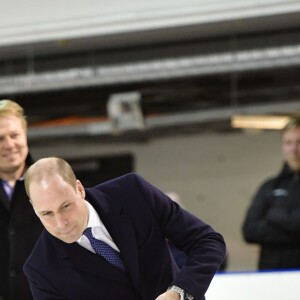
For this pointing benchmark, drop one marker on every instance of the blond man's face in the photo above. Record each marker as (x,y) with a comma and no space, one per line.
(13,144)
(291,148)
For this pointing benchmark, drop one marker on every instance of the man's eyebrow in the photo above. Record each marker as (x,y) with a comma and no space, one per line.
(43,211)
(47,210)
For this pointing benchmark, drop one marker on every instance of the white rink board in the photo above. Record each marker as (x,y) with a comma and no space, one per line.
(255,286)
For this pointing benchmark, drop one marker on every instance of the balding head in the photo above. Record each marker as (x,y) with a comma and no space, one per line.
(58,199)
(46,168)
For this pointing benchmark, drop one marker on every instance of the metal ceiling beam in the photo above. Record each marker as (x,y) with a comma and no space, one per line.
(160,69)
(164,121)
(200,65)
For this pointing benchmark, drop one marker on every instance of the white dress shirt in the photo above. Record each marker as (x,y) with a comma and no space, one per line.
(98,230)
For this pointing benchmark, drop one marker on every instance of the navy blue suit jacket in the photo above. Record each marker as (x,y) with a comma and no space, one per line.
(139,218)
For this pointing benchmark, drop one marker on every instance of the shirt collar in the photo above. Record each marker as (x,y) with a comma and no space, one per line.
(94,219)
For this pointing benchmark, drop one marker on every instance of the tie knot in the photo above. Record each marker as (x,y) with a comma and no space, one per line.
(106,251)
(88,233)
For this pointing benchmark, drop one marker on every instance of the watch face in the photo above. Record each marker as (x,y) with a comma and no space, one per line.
(188,296)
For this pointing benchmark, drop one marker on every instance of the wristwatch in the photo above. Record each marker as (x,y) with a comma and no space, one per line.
(183,294)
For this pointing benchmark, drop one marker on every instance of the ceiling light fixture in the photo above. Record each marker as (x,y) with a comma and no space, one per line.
(259,121)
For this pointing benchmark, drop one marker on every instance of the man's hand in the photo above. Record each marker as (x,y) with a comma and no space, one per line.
(169,295)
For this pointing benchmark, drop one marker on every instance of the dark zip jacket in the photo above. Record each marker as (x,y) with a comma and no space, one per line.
(273,221)
(19,230)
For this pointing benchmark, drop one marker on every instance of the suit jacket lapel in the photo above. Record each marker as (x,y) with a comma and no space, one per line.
(120,228)
(121,231)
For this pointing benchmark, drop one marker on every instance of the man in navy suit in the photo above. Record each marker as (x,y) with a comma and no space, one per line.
(132,217)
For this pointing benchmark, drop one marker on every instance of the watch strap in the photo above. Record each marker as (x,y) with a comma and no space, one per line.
(183,294)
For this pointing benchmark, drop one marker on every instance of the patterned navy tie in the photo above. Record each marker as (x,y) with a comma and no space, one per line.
(107,252)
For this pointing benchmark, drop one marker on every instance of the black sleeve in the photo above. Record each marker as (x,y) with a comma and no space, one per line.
(259,224)
(205,248)
(286,217)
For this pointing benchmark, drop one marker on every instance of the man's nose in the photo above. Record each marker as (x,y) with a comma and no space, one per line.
(8,142)
(61,221)
(294,148)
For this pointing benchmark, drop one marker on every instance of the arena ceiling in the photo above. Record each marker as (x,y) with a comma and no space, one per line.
(187,79)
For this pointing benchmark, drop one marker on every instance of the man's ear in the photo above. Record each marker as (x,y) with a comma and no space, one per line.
(80,189)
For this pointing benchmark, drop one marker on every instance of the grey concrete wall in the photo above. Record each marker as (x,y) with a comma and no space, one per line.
(216,176)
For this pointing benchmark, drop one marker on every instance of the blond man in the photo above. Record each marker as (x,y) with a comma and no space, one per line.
(273,218)
(19,227)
